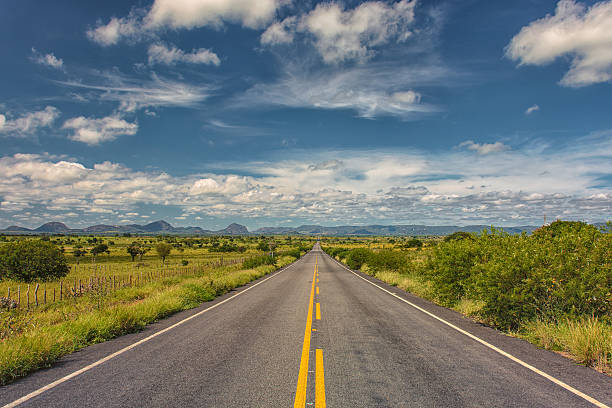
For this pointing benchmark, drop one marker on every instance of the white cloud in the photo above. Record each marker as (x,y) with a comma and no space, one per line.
(134,94)
(371,91)
(484,148)
(452,187)
(531,109)
(280,32)
(95,131)
(344,35)
(117,28)
(184,14)
(191,14)
(29,123)
(162,54)
(581,33)
(49,60)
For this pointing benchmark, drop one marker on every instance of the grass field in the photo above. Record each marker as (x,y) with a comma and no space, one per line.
(128,295)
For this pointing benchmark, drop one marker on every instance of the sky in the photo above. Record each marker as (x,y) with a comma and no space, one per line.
(286,112)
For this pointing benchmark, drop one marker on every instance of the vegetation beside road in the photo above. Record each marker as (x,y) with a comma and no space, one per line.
(553,288)
(35,337)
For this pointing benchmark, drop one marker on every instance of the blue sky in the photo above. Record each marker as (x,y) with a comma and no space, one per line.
(279,112)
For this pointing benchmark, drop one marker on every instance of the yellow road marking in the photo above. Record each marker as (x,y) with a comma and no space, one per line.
(319,381)
(317,290)
(300,391)
(318,311)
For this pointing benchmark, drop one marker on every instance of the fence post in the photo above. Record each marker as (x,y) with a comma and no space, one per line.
(61,289)
(45,295)
(9,294)
(53,295)
(36,294)
(28,296)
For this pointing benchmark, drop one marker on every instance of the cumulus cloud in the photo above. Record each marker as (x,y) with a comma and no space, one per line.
(95,131)
(392,186)
(184,14)
(484,148)
(531,109)
(162,54)
(29,123)
(341,35)
(580,33)
(49,60)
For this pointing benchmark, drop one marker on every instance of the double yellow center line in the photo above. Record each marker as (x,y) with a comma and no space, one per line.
(300,392)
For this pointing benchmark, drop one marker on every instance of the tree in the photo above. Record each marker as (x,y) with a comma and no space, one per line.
(262,246)
(99,249)
(134,250)
(77,253)
(163,250)
(32,260)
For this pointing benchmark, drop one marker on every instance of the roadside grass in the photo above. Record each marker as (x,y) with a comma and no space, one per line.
(35,339)
(587,340)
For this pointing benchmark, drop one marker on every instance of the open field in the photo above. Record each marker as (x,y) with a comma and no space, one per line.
(114,295)
(553,288)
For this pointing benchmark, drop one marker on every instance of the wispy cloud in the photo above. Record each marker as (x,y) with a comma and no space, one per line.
(28,123)
(531,109)
(49,60)
(169,55)
(133,93)
(484,148)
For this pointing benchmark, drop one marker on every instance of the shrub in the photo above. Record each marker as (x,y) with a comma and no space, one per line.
(32,260)
(357,257)
(256,261)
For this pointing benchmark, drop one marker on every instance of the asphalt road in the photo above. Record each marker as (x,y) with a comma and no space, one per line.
(314,334)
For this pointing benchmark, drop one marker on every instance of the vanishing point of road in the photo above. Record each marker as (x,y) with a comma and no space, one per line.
(313,334)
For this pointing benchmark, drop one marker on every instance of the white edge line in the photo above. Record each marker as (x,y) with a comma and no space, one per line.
(131,346)
(489,345)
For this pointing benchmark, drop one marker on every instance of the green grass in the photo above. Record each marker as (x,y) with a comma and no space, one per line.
(35,339)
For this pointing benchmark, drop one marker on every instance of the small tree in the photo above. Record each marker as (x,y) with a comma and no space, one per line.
(163,250)
(134,250)
(32,260)
(77,253)
(262,246)
(99,249)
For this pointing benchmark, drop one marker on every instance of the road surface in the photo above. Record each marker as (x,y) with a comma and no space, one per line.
(314,334)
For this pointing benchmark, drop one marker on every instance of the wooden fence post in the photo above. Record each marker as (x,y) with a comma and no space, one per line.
(45,295)
(28,296)
(61,289)
(36,294)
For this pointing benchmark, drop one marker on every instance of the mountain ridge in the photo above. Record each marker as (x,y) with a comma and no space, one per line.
(163,227)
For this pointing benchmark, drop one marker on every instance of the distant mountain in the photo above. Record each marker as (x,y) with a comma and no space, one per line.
(157,227)
(15,228)
(163,227)
(53,227)
(378,230)
(233,229)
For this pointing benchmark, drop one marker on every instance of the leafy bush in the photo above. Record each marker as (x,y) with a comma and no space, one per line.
(357,257)
(562,271)
(256,261)
(387,260)
(458,236)
(32,260)
(413,243)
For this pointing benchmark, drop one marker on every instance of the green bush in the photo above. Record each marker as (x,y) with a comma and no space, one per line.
(256,261)
(32,260)
(357,257)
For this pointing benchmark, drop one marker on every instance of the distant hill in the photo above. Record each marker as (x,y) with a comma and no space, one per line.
(53,228)
(157,227)
(163,227)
